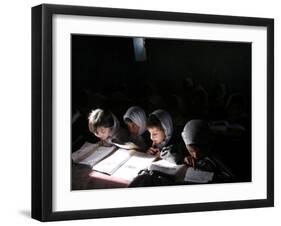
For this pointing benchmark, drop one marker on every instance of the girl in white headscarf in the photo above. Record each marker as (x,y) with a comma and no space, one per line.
(160,127)
(135,119)
(196,136)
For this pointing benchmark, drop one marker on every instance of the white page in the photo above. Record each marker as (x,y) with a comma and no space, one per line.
(198,176)
(83,151)
(99,154)
(136,163)
(91,154)
(165,166)
(113,162)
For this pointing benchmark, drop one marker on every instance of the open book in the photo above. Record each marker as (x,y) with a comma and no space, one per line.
(124,163)
(198,176)
(90,154)
(164,166)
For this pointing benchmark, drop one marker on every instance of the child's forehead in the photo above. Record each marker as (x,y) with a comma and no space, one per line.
(102,128)
(155,129)
(193,147)
(130,123)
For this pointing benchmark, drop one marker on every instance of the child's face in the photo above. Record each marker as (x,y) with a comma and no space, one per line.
(194,151)
(103,132)
(133,128)
(157,135)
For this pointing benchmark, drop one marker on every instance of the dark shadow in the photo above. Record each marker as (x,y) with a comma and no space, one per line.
(25,213)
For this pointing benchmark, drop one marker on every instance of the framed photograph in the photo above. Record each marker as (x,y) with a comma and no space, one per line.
(145,112)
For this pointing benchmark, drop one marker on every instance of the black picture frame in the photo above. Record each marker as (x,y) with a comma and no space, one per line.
(42,107)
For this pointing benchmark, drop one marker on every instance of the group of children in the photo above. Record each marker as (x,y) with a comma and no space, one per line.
(195,136)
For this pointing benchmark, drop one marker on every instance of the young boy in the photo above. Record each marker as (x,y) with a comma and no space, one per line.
(104,125)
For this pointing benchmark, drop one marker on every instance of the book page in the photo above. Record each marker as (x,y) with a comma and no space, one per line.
(165,166)
(91,154)
(84,151)
(198,176)
(136,163)
(113,162)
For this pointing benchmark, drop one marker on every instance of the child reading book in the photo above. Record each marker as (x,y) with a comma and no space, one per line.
(160,127)
(104,125)
(196,136)
(135,119)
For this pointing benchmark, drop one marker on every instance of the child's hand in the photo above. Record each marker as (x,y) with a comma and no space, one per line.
(131,145)
(153,151)
(104,143)
(100,143)
(189,161)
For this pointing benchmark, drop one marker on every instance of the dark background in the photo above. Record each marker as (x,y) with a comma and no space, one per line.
(191,79)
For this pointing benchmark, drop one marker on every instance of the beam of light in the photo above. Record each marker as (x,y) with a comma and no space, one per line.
(139,48)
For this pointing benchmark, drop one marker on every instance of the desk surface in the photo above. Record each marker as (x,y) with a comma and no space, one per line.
(83,177)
